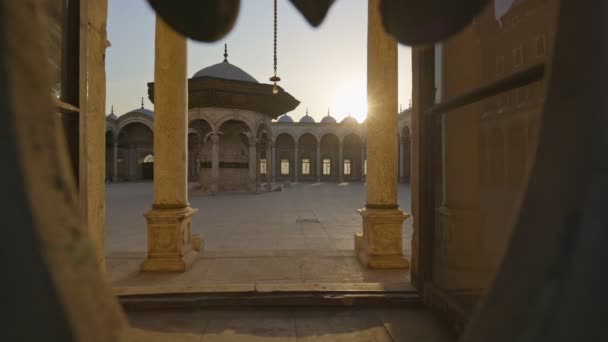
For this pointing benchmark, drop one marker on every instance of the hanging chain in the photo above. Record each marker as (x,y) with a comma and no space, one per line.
(275,37)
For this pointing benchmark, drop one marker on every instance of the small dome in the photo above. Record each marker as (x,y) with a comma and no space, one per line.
(112,116)
(307,118)
(142,110)
(349,120)
(225,71)
(285,118)
(328,119)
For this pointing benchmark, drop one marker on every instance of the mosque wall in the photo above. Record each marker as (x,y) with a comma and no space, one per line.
(291,151)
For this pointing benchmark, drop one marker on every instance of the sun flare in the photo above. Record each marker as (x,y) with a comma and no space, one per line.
(351,98)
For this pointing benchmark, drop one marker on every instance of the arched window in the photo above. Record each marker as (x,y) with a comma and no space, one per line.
(149,159)
(284,166)
(326,167)
(305,167)
(263,166)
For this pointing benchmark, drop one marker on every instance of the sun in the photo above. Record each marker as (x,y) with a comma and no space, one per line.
(351,97)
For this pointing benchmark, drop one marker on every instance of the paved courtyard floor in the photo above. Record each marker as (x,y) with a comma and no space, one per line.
(301,235)
(293,324)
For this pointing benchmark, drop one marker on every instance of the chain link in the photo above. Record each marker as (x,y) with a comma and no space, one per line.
(275,37)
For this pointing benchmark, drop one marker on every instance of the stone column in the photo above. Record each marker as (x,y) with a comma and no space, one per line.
(252,186)
(273,167)
(362,161)
(341,162)
(318,164)
(115,163)
(169,221)
(269,163)
(215,163)
(401,160)
(380,243)
(295,163)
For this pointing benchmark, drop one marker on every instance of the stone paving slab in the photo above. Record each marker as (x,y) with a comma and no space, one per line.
(278,271)
(302,235)
(303,324)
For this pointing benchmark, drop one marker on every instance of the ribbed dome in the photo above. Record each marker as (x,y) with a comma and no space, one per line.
(225,71)
(328,119)
(349,120)
(285,118)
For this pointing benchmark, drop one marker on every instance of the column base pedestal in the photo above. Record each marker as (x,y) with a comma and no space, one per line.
(380,245)
(170,242)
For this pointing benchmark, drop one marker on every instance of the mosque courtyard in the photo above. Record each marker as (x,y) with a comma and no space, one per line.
(299,238)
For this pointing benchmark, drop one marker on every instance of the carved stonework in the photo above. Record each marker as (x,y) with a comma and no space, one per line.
(380,245)
(169,240)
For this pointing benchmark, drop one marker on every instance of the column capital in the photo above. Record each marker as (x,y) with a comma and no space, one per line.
(215,138)
(252,140)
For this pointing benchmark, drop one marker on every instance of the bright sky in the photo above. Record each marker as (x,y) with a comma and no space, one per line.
(322,68)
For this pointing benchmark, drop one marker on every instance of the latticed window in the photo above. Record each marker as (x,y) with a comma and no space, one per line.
(263,166)
(284,166)
(347,167)
(326,167)
(305,167)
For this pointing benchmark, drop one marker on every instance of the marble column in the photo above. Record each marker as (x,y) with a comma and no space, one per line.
(362,161)
(318,164)
(273,163)
(401,161)
(380,244)
(295,163)
(341,162)
(215,163)
(169,222)
(269,163)
(252,186)
(115,163)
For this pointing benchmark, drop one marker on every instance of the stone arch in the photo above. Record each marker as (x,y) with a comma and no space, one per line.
(135,141)
(128,119)
(307,156)
(235,116)
(330,150)
(285,148)
(233,153)
(199,148)
(305,132)
(351,153)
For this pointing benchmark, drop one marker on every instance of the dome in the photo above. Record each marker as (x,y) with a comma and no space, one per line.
(143,111)
(328,119)
(285,118)
(349,120)
(225,71)
(307,118)
(112,116)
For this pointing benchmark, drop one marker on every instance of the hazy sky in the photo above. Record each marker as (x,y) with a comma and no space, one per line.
(323,67)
